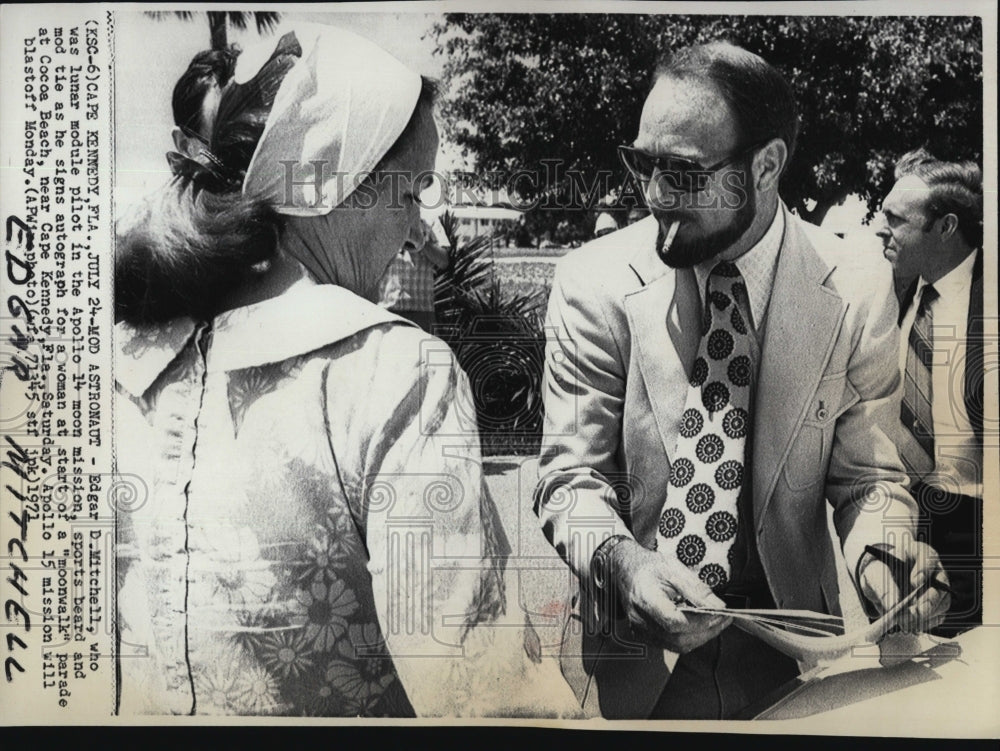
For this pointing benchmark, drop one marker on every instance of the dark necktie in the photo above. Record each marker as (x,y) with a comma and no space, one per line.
(916,411)
(700,515)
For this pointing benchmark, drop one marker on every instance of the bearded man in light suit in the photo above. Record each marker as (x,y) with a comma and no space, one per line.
(708,390)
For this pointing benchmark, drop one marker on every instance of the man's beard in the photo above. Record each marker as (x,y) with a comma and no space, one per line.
(683,254)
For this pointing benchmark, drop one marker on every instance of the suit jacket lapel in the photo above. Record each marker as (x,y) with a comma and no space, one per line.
(659,363)
(803,320)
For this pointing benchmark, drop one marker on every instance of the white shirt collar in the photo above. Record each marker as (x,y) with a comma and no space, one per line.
(756,266)
(956,281)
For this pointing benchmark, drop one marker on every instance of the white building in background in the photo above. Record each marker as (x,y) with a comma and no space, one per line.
(481,220)
(477,210)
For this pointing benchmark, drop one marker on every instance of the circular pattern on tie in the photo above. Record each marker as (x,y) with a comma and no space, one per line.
(734,424)
(729,475)
(713,575)
(715,396)
(691,550)
(709,449)
(691,423)
(720,344)
(699,372)
(681,472)
(739,370)
(672,522)
(700,498)
(721,526)
(737,321)
(701,514)
(719,299)
(727,269)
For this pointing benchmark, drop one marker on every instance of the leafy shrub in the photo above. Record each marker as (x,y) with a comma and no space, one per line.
(498,339)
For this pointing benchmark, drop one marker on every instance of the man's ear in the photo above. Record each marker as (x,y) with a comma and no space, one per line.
(949,226)
(769,163)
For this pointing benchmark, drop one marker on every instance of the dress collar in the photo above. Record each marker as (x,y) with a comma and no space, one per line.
(306,317)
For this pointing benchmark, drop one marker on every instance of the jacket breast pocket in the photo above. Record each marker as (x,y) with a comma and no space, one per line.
(810,453)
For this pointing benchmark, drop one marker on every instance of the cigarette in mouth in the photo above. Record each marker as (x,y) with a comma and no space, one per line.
(671,233)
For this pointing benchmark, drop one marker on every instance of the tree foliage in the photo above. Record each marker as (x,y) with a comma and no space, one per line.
(530,87)
(220,21)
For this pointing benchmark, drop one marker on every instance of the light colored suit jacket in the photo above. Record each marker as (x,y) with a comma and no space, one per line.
(826,406)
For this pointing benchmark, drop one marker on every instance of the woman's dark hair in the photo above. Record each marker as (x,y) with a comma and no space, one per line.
(183,249)
(186,249)
(208,71)
(188,246)
(761,100)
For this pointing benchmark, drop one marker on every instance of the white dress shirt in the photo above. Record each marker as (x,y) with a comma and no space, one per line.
(957,461)
(757,268)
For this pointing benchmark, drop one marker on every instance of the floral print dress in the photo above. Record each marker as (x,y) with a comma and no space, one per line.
(302,523)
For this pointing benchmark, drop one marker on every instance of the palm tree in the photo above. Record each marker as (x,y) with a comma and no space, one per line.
(219,22)
(498,338)
(468,266)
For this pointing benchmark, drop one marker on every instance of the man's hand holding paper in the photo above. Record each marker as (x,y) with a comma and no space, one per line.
(650,587)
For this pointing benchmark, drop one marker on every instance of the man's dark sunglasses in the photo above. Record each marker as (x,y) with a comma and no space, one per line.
(193,134)
(677,172)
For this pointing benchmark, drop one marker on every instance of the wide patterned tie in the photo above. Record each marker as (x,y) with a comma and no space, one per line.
(916,410)
(699,520)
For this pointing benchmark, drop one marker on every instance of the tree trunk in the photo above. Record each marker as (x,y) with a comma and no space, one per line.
(217,28)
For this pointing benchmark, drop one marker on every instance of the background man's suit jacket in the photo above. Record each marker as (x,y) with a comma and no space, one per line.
(826,407)
(972,391)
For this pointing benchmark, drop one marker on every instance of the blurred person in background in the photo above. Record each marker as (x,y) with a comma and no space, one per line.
(604,224)
(637,214)
(932,231)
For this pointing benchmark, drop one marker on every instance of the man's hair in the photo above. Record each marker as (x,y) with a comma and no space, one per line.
(759,97)
(955,188)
